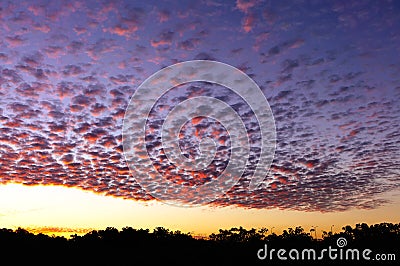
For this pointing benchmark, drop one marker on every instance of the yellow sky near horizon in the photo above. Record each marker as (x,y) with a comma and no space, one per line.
(74,209)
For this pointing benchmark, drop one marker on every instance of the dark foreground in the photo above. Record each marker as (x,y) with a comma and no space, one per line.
(360,245)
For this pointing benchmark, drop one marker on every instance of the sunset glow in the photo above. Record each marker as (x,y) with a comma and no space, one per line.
(66,211)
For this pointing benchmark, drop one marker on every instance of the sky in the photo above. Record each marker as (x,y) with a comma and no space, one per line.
(329,71)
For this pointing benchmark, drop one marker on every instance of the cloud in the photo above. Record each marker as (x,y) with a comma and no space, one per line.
(245,5)
(121,79)
(42,27)
(11,75)
(164,15)
(123,30)
(69,71)
(81,100)
(75,47)
(80,30)
(164,38)
(101,47)
(15,41)
(248,23)
(72,70)
(53,51)
(189,44)
(49,230)
(97,109)
(128,23)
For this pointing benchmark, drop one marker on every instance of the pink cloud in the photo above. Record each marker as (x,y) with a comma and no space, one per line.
(244,5)
(53,51)
(42,27)
(15,41)
(248,23)
(259,40)
(80,30)
(127,32)
(37,10)
(163,16)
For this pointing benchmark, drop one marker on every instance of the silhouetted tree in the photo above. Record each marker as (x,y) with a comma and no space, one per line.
(162,246)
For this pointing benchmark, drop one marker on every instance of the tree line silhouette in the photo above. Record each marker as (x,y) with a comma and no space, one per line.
(161,246)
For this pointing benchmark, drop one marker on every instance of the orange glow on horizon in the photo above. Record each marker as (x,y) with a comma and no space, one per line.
(62,210)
